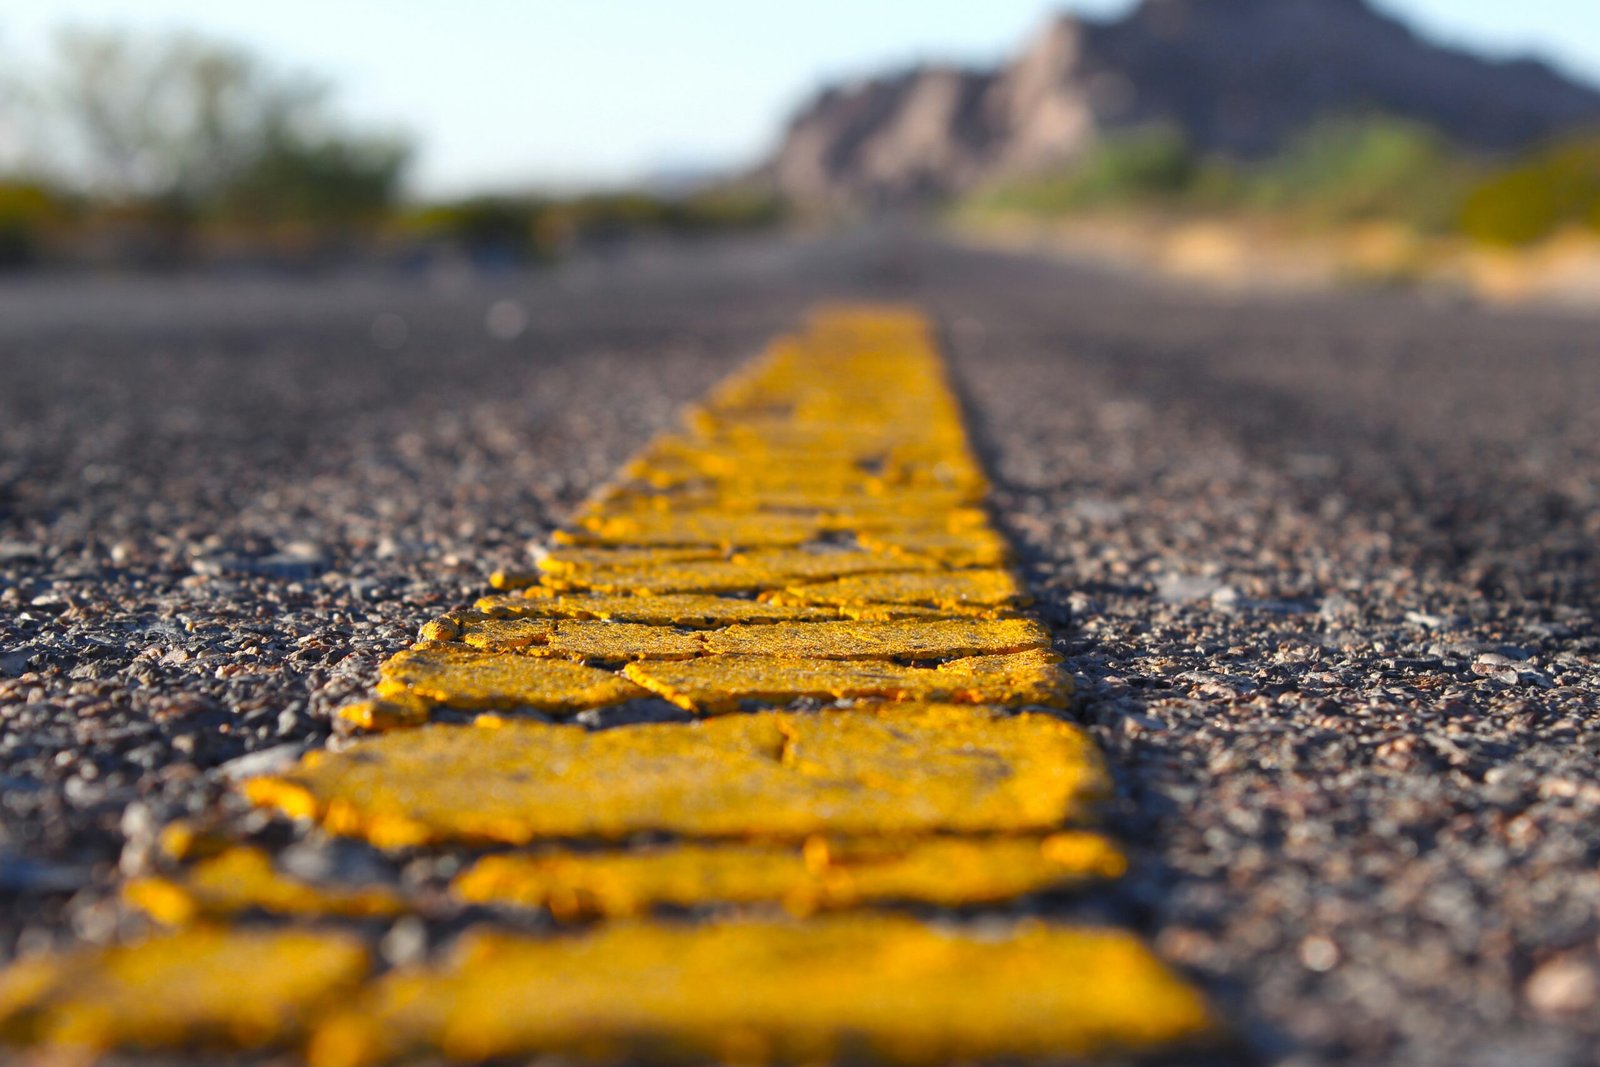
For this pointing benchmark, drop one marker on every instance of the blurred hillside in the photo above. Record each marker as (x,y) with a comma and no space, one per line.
(134,151)
(1313,139)
(1241,79)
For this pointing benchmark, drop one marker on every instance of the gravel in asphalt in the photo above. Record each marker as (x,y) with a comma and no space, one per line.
(1324,568)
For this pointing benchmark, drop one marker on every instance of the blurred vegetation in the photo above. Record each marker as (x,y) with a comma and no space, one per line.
(1338,172)
(152,150)
(28,211)
(538,227)
(1552,190)
(1145,167)
(156,143)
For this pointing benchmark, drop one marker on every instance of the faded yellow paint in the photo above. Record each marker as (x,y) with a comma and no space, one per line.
(714,529)
(869,987)
(978,547)
(748,572)
(815,530)
(186,840)
(616,642)
(1032,678)
(698,611)
(243,878)
(560,561)
(503,635)
(689,610)
(392,714)
(720,684)
(883,771)
(976,588)
(950,871)
(919,639)
(461,677)
(199,988)
(593,640)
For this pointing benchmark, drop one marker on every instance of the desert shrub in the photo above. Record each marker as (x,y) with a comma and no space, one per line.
(1339,170)
(535,227)
(1358,168)
(730,207)
(1145,164)
(1141,166)
(1528,200)
(514,226)
(29,211)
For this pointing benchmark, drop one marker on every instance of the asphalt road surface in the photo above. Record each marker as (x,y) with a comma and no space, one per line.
(1325,567)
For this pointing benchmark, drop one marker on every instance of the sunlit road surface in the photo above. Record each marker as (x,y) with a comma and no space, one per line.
(815,533)
(1323,572)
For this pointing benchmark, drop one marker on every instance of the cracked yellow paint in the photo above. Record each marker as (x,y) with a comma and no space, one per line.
(502,635)
(616,642)
(391,714)
(979,547)
(883,771)
(1029,667)
(691,610)
(1034,677)
(699,611)
(714,529)
(979,588)
(513,579)
(750,572)
(950,871)
(831,989)
(779,517)
(815,530)
(568,560)
(837,505)
(919,639)
(461,677)
(719,684)
(723,473)
(199,988)
(592,640)
(243,879)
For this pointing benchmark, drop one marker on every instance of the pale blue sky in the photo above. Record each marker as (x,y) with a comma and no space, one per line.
(504,93)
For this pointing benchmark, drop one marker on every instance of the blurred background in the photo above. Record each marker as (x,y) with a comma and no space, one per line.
(1449,142)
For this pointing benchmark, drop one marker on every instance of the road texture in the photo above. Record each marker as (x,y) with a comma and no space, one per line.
(1324,569)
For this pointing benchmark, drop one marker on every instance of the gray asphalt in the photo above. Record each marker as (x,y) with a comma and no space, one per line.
(1325,566)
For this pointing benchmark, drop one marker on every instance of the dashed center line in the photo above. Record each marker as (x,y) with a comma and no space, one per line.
(807,575)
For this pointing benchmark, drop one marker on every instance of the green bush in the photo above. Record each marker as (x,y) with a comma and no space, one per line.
(1147,164)
(1140,167)
(731,207)
(531,227)
(1360,168)
(1530,200)
(28,213)
(1337,171)
(333,182)
(518,226)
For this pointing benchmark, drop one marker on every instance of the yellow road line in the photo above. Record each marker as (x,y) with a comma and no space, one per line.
(900,769)
(851,987)
(811,550)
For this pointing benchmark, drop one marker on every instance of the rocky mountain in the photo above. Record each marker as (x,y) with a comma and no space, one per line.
(1236,76)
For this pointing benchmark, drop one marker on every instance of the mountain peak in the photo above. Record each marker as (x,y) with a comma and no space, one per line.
(1237,77)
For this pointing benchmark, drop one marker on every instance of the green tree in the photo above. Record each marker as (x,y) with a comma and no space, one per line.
(204,130)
